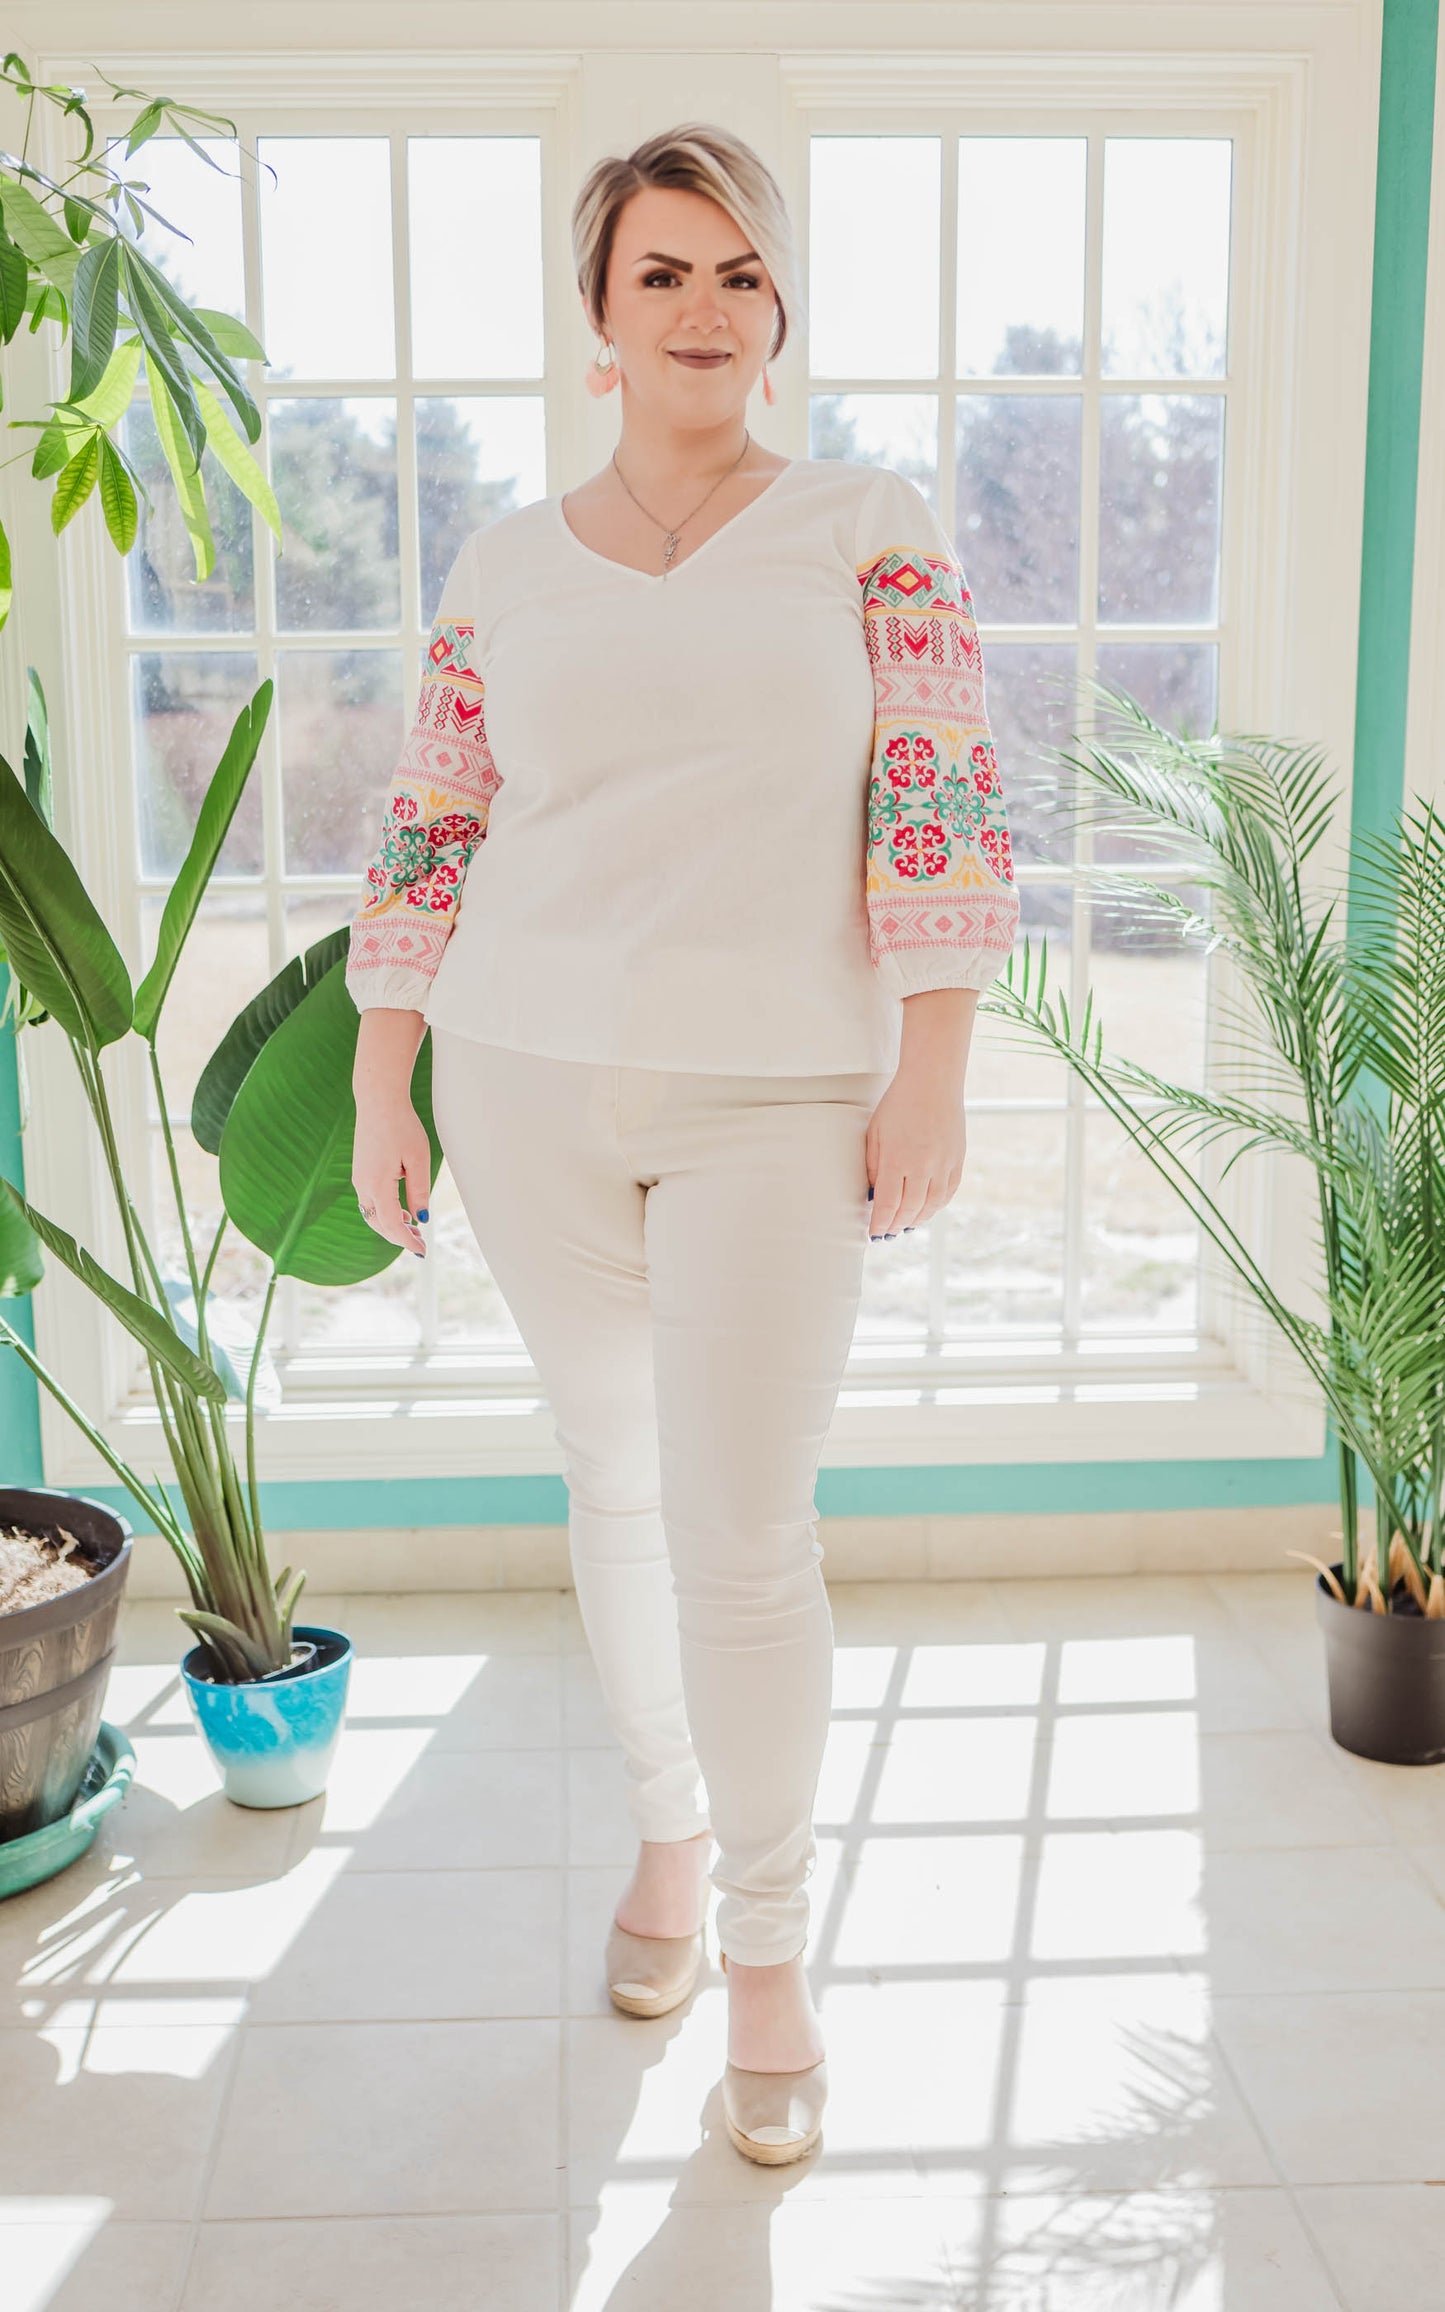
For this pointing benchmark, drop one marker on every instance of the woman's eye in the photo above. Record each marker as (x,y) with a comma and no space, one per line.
(749,280)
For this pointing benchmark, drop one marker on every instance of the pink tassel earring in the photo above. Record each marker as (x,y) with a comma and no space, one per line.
(768,393)
(601,376)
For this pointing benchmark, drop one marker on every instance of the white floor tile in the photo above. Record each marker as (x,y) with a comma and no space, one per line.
(353,2119)
(378,2264)
(1345,2085)
(75,2256)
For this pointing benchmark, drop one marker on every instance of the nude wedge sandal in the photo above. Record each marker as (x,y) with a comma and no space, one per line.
(651,1974)
(774,2117)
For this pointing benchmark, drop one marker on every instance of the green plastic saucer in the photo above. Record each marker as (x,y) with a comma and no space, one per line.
(24,1862)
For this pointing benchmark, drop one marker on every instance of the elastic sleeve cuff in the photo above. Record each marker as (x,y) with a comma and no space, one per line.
(915,970)
(388,987)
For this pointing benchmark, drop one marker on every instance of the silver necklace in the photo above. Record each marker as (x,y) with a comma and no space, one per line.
(670,539)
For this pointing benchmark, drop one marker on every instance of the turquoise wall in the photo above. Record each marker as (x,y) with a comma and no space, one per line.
(1407,99)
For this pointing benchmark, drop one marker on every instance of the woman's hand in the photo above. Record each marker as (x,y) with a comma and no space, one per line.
(391,1145)
(915,1149)
(917,1137)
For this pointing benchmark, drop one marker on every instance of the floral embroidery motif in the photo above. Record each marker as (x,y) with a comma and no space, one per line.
(436,816)
(939,872)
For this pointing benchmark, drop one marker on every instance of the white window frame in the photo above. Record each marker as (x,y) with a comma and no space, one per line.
(1293,99)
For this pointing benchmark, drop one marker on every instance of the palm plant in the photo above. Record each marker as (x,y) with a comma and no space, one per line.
(274,1106)
(1341,1062)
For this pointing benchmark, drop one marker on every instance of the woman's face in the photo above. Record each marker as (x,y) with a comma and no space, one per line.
(681,280)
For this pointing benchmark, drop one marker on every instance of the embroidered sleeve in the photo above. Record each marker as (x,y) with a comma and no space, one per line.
(436,816)
(942,906)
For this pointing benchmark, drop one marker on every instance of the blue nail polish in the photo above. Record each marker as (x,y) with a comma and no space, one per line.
(872,1239)
(870,1196)
(423,1214)
(889,1234)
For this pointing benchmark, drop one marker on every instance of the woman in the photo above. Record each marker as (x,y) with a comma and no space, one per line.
(695,863)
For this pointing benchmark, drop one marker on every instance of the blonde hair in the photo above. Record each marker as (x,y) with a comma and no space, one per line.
(696,157)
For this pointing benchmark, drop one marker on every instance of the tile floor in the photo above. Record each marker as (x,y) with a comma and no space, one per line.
(1134,1987)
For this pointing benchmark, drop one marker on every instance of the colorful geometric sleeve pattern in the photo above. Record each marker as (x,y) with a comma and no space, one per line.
(942,907)
(441,795)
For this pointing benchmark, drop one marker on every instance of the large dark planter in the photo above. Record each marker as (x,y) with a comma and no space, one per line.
(1386,1676)
(54,1661)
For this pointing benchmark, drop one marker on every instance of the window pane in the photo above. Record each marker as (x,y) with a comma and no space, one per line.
(341,735)
(1141,1249)
(333,464)
(477,458)
(874,217)
(1177,684)
(311,918)
(326,256)
(1160,470)
(879,429)
(1017,518)
(1031,701)
(382,1312)
(198,200)
(1021,255)
(185,703)
(481,195)
(165,596)
(226,963)
(1166,256)
(1006,1227)
(1150,984)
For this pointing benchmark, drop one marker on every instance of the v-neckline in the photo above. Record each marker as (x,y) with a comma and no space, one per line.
(658,577)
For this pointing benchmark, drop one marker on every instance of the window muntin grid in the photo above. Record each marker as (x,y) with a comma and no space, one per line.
(1051,371)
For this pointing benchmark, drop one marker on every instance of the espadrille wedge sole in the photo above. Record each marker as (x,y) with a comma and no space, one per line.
(774,2117)
(651,1974)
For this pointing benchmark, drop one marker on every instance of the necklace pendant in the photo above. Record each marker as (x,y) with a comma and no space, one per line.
(669,549)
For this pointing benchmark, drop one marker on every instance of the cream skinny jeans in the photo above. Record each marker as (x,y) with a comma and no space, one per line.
(682,1255)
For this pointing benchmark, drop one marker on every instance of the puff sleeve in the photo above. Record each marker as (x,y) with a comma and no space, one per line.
(942,907)
(436,815)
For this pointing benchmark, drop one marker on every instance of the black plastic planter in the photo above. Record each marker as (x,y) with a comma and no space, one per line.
(54,1661)
(1386,1677)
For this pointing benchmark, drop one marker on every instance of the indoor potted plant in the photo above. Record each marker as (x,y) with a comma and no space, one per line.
(274,1105)
(1349,1025)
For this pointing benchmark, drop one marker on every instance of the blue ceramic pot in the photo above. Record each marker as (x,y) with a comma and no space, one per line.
(273,1738)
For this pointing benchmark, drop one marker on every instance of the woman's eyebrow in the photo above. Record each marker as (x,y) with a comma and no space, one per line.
(684,265)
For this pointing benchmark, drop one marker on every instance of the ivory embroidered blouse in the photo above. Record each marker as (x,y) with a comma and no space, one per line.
(723,820)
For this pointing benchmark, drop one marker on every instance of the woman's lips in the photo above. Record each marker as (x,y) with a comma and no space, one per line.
(702,360)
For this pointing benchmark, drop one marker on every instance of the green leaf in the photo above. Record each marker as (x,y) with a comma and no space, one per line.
(144,1323)
(117,499)
(112,397)
(144,127)
(7,576)
(187,324)
(216,813)
(32,225)
(190,489)
(75,484)
(21,1267)
(94,315)
(231,335)
(287,1148)
(237,461)
(39,783)
(162,354)
(77,220)
(227,1068)
(14,276)
(60,439)
(58,947)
